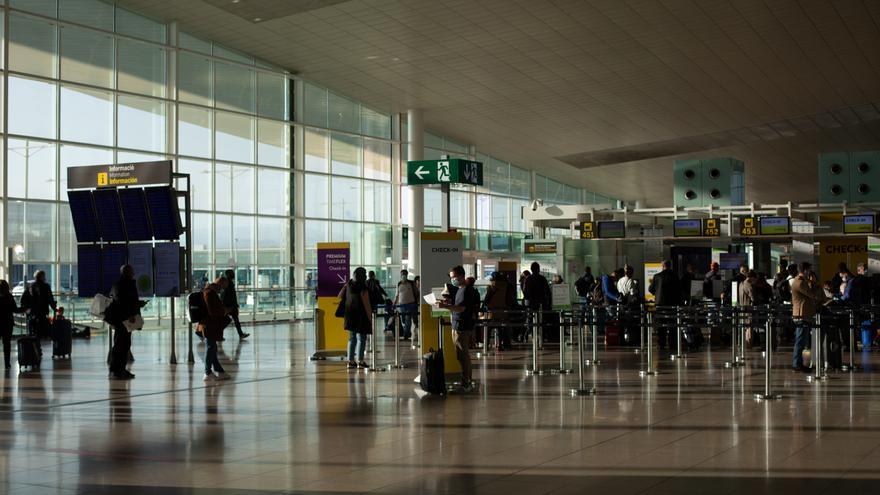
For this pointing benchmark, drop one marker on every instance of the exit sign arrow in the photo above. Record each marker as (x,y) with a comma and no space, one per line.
(451,171)
(421,172)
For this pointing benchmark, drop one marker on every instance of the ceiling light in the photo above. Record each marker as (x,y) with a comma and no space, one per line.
(258,19)
(235,1)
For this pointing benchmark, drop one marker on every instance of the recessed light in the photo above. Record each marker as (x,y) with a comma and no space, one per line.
(236,1)
(258,19)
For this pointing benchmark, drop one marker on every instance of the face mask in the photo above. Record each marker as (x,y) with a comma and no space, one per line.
(454,282)
(403,278)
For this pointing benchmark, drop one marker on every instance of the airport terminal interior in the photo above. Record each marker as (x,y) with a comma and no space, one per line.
(439,246)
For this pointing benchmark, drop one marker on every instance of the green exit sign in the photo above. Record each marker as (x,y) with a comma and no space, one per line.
(451,171)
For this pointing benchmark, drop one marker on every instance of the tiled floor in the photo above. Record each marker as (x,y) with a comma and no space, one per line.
(289,425)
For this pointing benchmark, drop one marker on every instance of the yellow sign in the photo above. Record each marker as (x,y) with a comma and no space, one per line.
(711,228)
(587,231)
(103,179)
(833,251)
(748,226)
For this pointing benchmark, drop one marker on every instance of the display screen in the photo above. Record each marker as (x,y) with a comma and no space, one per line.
(612,230)
(164,216)
(82,212)
(88,270)
(775,225)
(732,261)
(134,211)
(167,268)
(109,215)
(858,224)
(112,258)
(687,228)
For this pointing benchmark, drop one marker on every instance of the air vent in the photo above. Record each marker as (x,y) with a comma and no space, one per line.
(864,189)
(836,169)
(714,194)
(689,174)
(714,174)
(864,168)
(836,190)
(690,195)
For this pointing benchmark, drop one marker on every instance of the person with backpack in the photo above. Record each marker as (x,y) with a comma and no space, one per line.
(463,307)
(667,293)
(584,286)
(230,301)
(214,321)
(536,291)
(8,309)
(500,299)
(406,300)
(378,296)
(358,317)
(38,300)
(125,306)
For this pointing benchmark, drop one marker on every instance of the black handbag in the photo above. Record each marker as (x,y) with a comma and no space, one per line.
(340,308)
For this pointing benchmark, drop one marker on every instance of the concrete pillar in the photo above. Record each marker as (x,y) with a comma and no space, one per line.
(415,151)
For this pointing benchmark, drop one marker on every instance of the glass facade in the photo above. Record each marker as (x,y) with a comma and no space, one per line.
(276,164)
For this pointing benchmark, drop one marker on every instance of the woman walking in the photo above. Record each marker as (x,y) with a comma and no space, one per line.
(358,317)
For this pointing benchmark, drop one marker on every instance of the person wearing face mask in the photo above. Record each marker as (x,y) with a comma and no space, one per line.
(406,301)
(463,308)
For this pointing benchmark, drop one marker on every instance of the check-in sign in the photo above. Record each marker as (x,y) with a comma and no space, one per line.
(451,171)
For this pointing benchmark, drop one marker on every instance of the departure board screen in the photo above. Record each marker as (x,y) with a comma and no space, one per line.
(88,270)
(134,211)
(612,230)
(112,258)
(774,225)
(688,227)
(858,224)
(109,215)
(82,212)
(164,216)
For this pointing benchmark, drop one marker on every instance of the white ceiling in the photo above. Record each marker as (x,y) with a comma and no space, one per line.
(533,80)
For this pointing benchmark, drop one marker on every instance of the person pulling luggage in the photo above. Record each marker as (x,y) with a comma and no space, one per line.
(38,299)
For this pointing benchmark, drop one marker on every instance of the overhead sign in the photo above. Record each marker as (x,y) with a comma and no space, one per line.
(333,267)
(587,230)
(539,247)
(711,227)
(451,171)
(858,224)
(120,175)
(612,230)
(688,227)
(748,226)
(774,225)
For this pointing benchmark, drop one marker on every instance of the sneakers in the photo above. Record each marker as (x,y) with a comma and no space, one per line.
(210,378)
(223,376)
(120,376)
(244,336)
(351,365)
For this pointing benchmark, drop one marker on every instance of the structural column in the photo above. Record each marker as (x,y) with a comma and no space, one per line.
(416,151)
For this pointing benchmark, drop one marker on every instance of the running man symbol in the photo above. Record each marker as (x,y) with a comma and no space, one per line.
(443,171)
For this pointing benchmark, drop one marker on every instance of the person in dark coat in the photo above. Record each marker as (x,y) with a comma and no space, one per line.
(212,327)
(38,300)
(667,293)
(358,319)
(230,301)
(125,306)
(8,308)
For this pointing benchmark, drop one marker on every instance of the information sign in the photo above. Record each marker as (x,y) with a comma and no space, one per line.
(119,175)
(167,269)
(858,224)
(450,171)
(774,226)
(140,257)
(612,230)
(688,227)
(333,267)
(587,230)
(711,227)
(748,226)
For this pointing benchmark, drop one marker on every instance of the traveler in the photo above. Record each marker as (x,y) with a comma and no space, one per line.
(807,297)
(463,307)
(500,299)
(859,291)
(762,292)
(124,306)
(358,318)
(38,300)
(628,287)
(557,279)
(8,308)
(522,280)
(667,293)
(838,278)
(630,296)
(406,301)
(536,289)
(690,275)
(584,285)
(746,289)
(782,283)
(742,275)
(377,293)
(418,282)
(712,275)
(604,296)
(230,301)
(212,326)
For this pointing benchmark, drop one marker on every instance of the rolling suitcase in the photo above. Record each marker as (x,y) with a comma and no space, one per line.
(613,333)
(432,375)
(62,338)
(29,352)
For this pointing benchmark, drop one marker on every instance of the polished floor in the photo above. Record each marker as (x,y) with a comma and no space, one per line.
(286,424)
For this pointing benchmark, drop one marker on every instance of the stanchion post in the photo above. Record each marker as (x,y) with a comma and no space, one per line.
(817,355)
(649,346)
(396,365)
(564,322)
(641,347)
(173,358)
(536,336)
(582,388)
(678,354)
(594,348)
(734,337)
(851,366)
(373,367)
(768,364)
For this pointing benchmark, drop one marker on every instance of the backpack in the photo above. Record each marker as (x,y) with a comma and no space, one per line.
(782,289)
(375,292)
(598,295)
(411,287)
(198,308)
(582,287)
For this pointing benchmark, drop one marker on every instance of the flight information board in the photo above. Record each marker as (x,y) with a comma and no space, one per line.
(688,227)
(88,270)
(82,213)
(774,226)
(612,230)
(134,212)
(113,256)
(164,214)
(858,224)
(109,215)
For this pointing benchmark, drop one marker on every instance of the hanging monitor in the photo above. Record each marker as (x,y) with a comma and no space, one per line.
(82,213)
(688,227)
(612,230)
(88,270)
(134,212)
(858,224)
(164,214)
(774,225)
(113,256)
(109,215)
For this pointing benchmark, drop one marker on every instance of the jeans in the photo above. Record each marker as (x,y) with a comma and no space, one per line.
(462,353)
(211,360)
(121,348)
(358,342)
(237,322)
(407,313)
(801,340)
